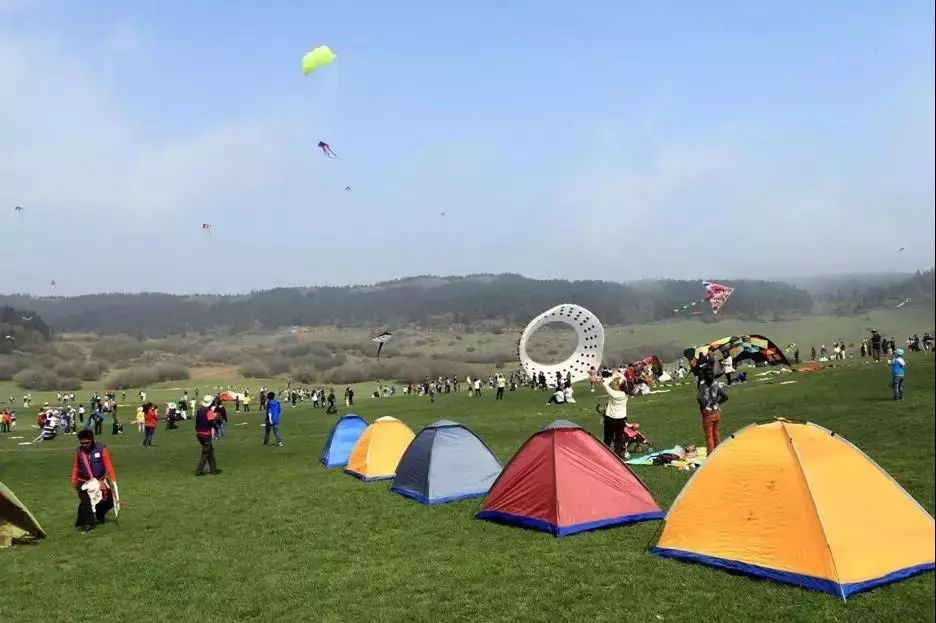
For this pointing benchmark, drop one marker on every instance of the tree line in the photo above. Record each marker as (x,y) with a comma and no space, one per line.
(480,301)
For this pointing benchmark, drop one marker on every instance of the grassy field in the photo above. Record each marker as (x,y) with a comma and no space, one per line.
(277,536)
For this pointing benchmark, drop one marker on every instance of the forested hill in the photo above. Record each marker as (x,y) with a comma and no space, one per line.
(429,302)
(19,328)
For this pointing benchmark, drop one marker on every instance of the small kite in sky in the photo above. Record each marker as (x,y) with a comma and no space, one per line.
(347,188)
(319,57)
(26,318)
(53,283)
(10,337)
(903,302)
(381,339)
(327,150)
(18,209)
(900,249)
(206,227)
(442,214)
(715,293)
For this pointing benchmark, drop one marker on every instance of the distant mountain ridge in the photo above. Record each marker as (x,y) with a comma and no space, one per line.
(427,301)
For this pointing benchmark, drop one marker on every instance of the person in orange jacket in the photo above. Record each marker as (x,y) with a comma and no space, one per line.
(92,462)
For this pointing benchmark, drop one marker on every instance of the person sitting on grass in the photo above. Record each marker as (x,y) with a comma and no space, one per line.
(90,465)
(558,397)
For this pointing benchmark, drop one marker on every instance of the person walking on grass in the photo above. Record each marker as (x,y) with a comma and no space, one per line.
(91,465)
(203,432)
(710,395)
(273,410)
(898,367)
(150,417)
(220,419)
(477,388)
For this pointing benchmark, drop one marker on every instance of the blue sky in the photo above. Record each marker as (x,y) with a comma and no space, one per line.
(602,140)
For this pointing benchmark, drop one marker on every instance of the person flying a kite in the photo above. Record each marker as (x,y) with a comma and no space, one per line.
(327,150)
(381,339)
(715,293)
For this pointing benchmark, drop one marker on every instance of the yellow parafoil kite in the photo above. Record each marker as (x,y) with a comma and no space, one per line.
(319,57)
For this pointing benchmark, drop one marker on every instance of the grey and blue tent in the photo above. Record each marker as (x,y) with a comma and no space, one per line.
(444,463)
(346,432)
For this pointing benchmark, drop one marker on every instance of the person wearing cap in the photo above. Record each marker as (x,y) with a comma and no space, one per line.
(90,466)
(273,410)
(898,366)
(203,433)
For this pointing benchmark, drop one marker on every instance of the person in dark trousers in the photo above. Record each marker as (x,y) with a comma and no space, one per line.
(92,461)
(220,419)
(876,345)
(796,356)
(350,397)
(273,410)
(150,418)
(203,432)
(331,403)
(501,383)
(237,403)
(98,420)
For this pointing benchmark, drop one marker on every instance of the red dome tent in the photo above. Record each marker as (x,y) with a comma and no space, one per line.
(563,480)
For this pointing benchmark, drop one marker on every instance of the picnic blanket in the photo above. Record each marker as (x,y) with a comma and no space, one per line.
(686,464)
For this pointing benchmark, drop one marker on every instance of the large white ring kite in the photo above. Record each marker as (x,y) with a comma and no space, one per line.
(587,354)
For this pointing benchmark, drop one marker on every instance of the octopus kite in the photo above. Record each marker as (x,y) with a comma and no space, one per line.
(381,339)
(327,150)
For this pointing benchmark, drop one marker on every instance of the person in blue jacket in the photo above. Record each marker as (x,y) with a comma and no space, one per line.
(273,410)
(898,365)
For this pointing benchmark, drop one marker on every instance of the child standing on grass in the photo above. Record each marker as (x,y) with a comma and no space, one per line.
(898,365)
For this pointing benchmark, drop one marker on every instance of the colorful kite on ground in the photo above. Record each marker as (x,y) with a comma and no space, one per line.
(757,348)
(715,293)
(319,57)
(381,339)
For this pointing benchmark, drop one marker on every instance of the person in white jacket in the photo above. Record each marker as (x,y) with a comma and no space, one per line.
(615,414)
(727,365)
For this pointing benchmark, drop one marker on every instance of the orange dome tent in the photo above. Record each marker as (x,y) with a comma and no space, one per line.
(796,503)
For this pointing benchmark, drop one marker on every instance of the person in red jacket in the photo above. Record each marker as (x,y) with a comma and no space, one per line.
(92,462)
(150,417)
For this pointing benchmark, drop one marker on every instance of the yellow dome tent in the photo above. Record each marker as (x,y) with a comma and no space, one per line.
(377,453)
(16,522)
(796,503)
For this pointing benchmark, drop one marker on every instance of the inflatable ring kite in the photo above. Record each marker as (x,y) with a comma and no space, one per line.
(587,354)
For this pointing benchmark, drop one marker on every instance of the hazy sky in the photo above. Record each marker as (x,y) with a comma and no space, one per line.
(581,140)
